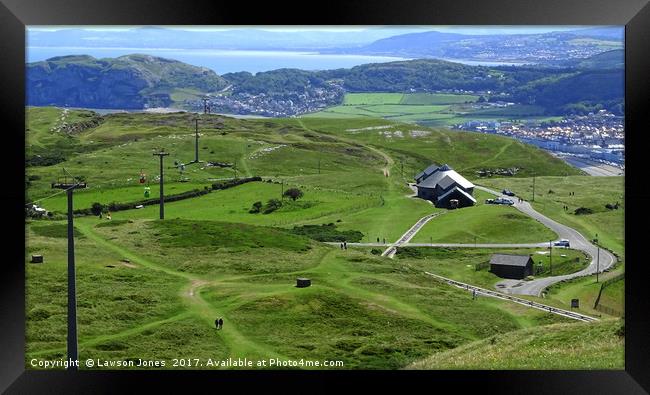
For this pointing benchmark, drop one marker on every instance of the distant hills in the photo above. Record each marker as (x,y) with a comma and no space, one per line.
(614,59)
(128,82)
(138,81)
(517,48)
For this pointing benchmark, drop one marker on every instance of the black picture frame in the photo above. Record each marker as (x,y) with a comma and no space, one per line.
(634,14)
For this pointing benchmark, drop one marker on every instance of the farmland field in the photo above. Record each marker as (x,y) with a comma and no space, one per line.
(429,109)
(149,287)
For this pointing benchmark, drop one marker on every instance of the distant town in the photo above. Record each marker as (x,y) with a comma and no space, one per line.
(598,136)
(313,99)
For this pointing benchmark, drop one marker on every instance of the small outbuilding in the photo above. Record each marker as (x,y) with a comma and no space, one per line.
(303,282)
(511,266)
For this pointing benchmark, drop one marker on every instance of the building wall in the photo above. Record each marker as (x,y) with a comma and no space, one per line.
(427,193)
(512,272)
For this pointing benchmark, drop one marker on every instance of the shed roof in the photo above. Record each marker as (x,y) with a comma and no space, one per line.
(445,178)
(467,195)
(427,172)
(510,260)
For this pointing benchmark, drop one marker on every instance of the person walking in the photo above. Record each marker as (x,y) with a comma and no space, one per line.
(216,323)
(220,323)
(341,245)
(473,294)
(345,245)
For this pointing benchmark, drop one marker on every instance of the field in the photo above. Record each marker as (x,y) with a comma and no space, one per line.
(428,109)
(148,287)
(477,225)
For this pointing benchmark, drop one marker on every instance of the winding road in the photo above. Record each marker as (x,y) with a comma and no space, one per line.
(534,287)
(576,240)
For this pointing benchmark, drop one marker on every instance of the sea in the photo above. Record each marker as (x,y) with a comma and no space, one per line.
(223,61)
(230,61)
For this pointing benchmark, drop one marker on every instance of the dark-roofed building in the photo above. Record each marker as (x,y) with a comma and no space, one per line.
(511,266)
(444,187)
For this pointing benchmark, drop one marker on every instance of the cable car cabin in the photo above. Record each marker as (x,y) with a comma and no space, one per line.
(147,191)
(453,203)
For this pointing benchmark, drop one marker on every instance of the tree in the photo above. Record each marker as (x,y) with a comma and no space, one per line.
(97,208)
(293,193)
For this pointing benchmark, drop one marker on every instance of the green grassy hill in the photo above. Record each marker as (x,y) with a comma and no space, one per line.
(148,288)
(142,288)
(129,81)
(560,346)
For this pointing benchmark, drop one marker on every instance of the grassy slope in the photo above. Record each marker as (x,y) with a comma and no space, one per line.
(484,223)
(353,298)
(352,166)
(464,151)
(590,192)
(560,346)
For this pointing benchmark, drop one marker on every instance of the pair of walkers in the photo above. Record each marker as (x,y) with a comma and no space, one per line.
(218,323)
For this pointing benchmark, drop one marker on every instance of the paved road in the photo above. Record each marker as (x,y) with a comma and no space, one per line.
(576,240)
(591,167)
(390,251)
(459,245)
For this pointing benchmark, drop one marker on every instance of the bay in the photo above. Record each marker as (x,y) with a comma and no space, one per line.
(223,61)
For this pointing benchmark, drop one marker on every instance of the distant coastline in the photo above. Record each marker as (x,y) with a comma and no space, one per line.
(154,110)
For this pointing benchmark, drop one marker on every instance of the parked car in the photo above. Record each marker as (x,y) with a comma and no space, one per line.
(503,201)
(562,243)
(508,192)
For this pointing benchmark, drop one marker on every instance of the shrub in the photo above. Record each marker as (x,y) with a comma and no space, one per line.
(234,182)
(97,208)
(272,205)
(375,251)
(583,211)
(257,206)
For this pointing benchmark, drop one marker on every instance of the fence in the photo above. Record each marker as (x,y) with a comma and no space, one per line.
(605,284)
(608,310)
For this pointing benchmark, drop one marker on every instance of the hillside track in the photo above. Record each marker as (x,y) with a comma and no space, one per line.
(191,295)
